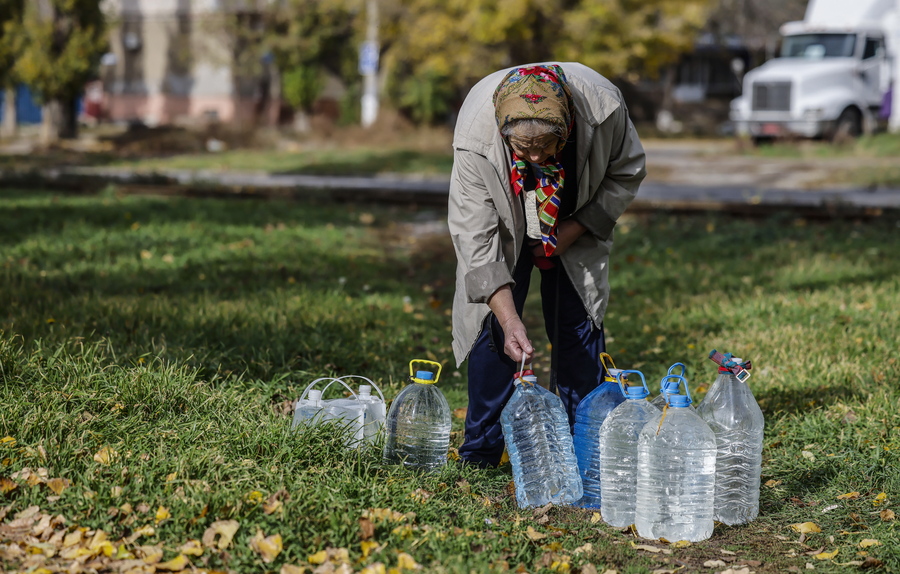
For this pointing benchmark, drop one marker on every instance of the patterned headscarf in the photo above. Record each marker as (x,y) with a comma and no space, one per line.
(538,92)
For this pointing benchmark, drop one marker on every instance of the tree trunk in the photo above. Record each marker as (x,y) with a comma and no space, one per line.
(10,124)
(50,122)
(68,119)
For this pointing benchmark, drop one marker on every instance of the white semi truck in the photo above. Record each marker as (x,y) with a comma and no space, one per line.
(832,76)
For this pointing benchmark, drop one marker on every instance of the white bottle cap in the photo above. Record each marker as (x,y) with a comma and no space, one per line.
(315,397)
(365,390)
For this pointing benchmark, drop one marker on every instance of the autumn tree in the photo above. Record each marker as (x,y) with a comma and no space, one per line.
(450,45)
(10,23)
(62,43)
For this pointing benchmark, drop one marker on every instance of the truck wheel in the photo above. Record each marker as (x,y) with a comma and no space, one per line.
(848,126)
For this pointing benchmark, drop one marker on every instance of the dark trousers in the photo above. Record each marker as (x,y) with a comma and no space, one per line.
(578,346)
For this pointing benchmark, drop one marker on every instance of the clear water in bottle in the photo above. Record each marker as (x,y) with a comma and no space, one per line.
(306,410)
(536,430)
(676,475)
(589,416)
(734,416)
(418,425)
(618,460)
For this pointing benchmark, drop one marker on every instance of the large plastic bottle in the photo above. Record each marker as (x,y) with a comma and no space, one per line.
(669,385)
(618,444)
(589,416)
(734,416)
(676,474)
(418,422)
(536,430)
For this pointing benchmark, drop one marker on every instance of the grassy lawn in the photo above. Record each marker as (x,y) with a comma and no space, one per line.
(150,349)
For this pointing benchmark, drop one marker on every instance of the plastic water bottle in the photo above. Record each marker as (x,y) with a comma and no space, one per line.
(669,385)
(676,474)
(418,422)
(375,415)
(734,416)
(536,430)
(589,416)
(305,410)
(618,446)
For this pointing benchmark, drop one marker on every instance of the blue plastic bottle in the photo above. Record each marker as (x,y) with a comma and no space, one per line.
(589,416)
(536,430)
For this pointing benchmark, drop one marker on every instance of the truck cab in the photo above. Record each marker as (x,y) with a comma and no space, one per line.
(830,78)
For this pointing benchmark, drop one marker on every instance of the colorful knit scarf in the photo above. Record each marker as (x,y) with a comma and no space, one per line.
(538,92)
(549,184)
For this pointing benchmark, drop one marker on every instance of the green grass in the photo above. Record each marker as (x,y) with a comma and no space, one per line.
(175,332)
(359,161)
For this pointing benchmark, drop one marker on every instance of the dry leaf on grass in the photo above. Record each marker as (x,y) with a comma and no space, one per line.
(533,534)
(887,515)
(826,555)
(649,548)
(224,530)
(192,548)
(105,456)
(849,496)
(268,547)
(176,564)
(868,542)
(806,527)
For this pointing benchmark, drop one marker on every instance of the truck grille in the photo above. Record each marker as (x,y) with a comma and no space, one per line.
(772,97)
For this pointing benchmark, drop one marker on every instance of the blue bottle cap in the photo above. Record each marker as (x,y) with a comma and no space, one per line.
(426,375)
(636,393)
(679,401)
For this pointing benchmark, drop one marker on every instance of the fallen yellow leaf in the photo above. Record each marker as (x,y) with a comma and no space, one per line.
(533,534)
(162,513)
(849,496)
(150,554)
(291,569)
(255,496)
(72,538)
(192,548)
(406,562)
(367,546)
(8,441)
(58,485)
(146,530)
(170,477)
(595,518)
(880,498)
(105,456)
(826,555)
(887,515)
(224,529)
(869,542)
(681,544)
(377,568)
(318,558)
(178,563)
(649,548)
(6,485)
(268,547)
(806,527)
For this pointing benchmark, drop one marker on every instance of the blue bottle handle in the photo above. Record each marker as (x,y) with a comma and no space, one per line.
(676,365)
(621,374)
(682,382)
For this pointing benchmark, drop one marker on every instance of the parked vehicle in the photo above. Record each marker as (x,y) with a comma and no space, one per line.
(834,69)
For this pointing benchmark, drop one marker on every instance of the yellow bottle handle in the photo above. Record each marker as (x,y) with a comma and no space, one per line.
(431,366)
(603,358)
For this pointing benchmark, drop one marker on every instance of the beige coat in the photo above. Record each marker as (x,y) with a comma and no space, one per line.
(487,223)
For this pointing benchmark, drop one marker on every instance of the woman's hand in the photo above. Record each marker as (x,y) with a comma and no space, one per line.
(514,334)
(516,341)
(566,233)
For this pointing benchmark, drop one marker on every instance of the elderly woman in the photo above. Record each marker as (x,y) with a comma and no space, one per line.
(545,160)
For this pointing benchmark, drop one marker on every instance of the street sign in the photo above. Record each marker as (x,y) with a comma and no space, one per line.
(368,58)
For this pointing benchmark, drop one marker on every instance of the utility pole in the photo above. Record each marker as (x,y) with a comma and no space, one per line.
(368,65)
